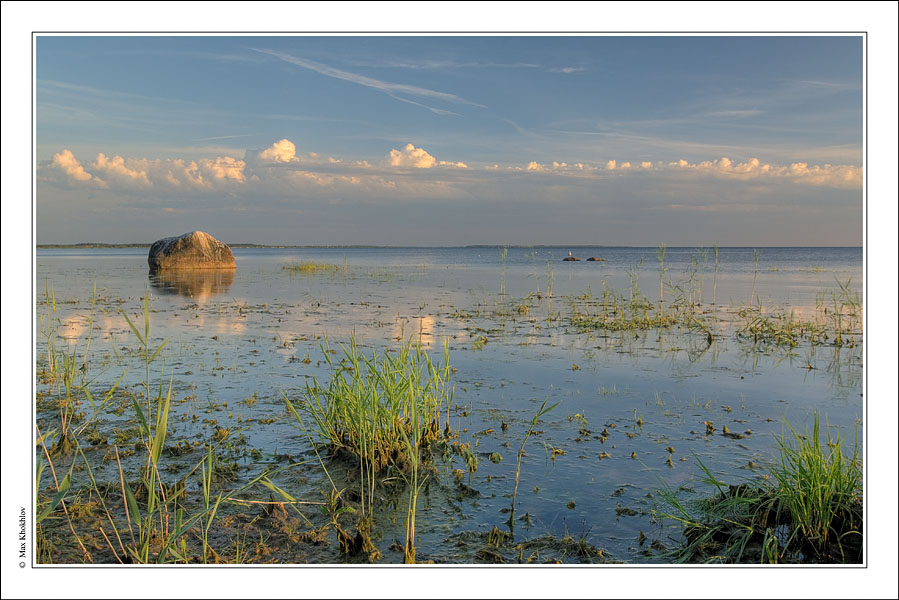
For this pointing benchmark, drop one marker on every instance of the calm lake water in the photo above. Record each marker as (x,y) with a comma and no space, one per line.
(237,345)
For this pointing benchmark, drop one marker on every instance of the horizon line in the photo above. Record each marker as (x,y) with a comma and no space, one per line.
(256,245)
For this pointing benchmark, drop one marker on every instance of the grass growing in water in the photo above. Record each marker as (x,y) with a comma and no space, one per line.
(308,267)
(502,286)
(810,512)
(715,284)
(661,254)
(141,519)
(543,410)
(821,489)
(412,445)
(614,312)
(374,405)
(386,411)
(837,320)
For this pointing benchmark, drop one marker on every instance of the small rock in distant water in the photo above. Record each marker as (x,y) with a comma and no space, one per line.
(595,259)
(194,250)
(570,258)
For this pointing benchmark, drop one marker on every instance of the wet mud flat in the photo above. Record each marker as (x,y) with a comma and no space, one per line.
(174,419)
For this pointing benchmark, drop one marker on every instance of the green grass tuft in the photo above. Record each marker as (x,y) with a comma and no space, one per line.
(372,404)
(809,510)
(308,267)
(821,489)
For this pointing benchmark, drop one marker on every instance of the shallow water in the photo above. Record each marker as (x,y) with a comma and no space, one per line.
(238,344)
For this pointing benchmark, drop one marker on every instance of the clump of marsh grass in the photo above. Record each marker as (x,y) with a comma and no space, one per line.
(308,267)
(385,411)
(820,487)
(379,408)
(843,314)
(837,320)
(776,328)
(634,311)
(809,510)
(614,312)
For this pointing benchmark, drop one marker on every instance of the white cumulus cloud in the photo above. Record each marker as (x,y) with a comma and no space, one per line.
(70,165)
(799,172)
(115,168)
(278,170)
(410,156)
(129,174)
(281,151)
(225,167)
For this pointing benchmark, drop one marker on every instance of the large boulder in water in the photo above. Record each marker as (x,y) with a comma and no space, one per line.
(194,250)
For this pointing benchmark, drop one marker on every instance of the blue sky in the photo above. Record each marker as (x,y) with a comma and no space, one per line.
(642,140)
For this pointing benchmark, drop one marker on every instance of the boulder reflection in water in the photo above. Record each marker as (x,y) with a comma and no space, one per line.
(199,284)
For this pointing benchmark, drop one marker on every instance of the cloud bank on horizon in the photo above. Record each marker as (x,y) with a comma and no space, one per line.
(279,165)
